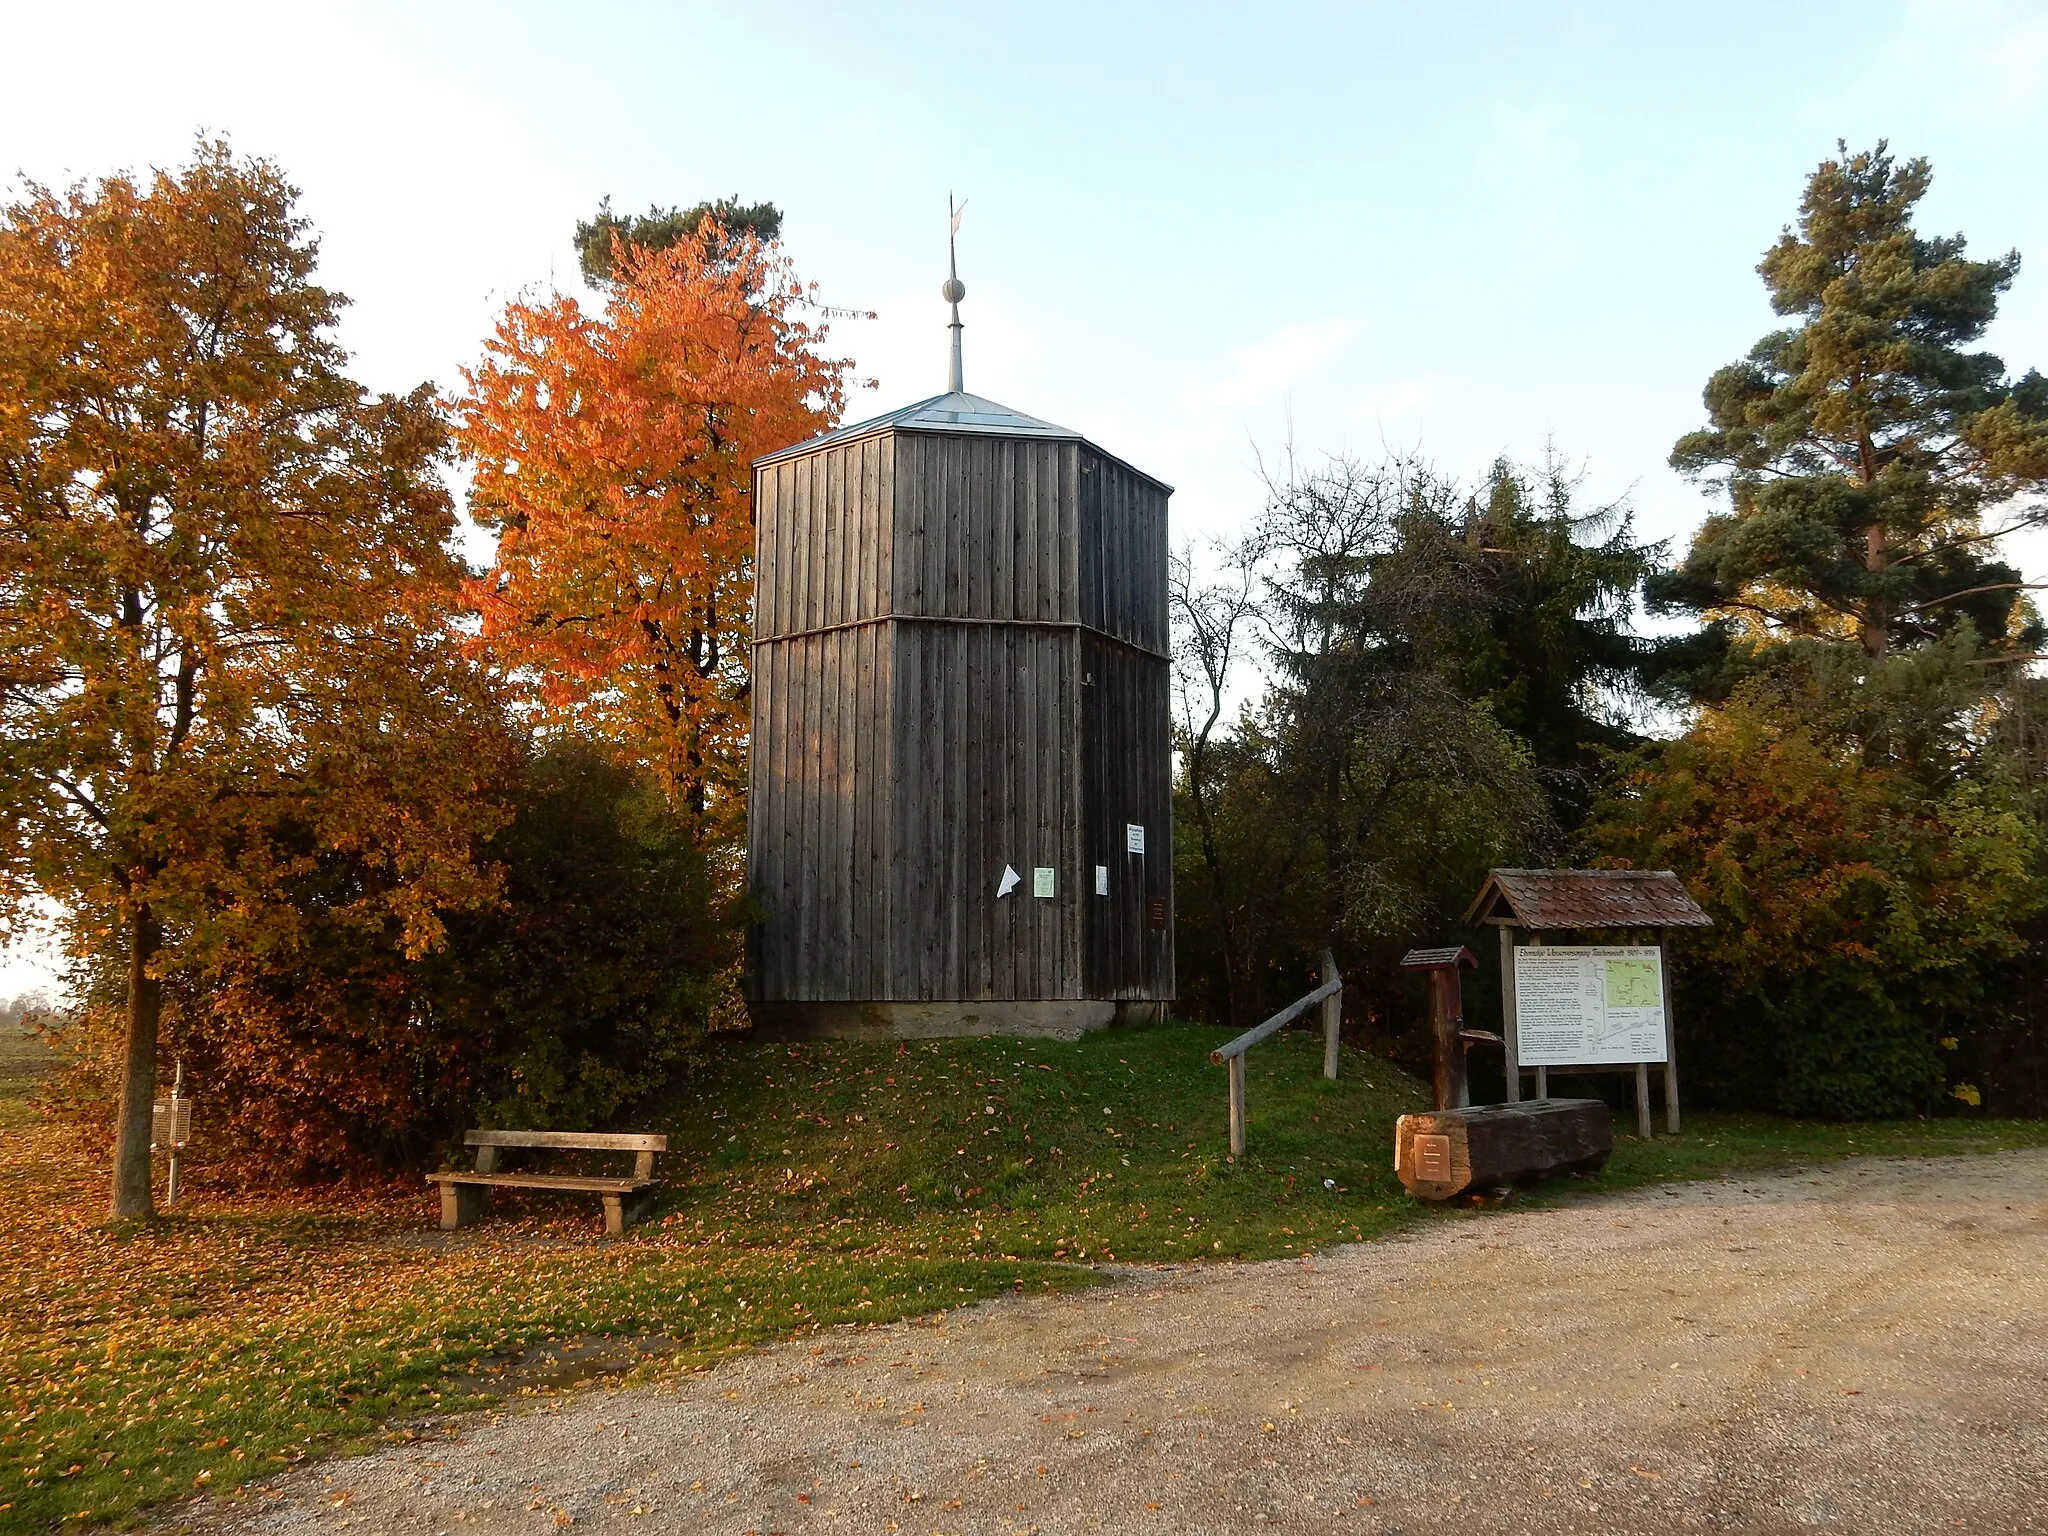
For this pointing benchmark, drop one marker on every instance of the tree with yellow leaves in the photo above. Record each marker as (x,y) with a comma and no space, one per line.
(226,592)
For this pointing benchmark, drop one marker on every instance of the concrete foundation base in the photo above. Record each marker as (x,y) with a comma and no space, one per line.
(1034,1020)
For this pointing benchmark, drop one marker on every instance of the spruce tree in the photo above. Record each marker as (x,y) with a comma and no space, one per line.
(1547,647)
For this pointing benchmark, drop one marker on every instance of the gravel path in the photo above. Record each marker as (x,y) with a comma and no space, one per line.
(1861,1348)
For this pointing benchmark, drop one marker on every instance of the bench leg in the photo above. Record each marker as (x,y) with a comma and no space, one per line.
(623,1211)
(462,1204)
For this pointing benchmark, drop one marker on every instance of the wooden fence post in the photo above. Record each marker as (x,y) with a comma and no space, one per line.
(1333,1016)
(1233,1052)
(1237,1106)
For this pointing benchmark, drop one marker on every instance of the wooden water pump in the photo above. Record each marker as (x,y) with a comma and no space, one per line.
(1458,1147)
(1450,1038)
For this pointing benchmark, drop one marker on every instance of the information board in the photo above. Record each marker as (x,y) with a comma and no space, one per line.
(1589,1005)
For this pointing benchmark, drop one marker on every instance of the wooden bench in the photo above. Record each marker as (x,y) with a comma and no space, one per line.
(466,1195)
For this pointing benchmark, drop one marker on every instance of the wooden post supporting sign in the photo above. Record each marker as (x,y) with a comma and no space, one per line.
(1507,1013)
(1333,1017)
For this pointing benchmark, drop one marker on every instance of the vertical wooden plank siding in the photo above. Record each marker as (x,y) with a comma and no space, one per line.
(1122,546)
(960,666)
(983,782)
(1125,701)
(818,819)
(823,540)
(814,911)
(834,854)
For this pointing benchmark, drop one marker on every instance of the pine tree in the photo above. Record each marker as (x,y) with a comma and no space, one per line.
(1871,461)
(659,228)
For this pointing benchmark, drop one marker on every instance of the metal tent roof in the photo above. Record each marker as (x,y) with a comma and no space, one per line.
(1586,898)
(955,412)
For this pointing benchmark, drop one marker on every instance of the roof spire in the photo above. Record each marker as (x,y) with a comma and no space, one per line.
(953,291)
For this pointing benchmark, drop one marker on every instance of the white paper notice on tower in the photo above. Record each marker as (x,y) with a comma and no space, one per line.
(1589,1005)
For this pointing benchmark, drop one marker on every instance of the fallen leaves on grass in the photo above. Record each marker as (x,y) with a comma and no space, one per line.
(234,1338)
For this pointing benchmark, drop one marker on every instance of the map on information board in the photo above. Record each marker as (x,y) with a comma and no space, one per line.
(1590,1005)
(1633,984)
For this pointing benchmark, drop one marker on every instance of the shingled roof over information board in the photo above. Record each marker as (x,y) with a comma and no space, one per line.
(1586,898)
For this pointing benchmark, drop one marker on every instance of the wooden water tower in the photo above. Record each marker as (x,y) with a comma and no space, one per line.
(960,812)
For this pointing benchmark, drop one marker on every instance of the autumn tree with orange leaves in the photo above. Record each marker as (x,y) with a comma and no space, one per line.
(612,455)
(227,601)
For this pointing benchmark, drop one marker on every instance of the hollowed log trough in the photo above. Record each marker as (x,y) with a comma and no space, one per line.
(1445,1152)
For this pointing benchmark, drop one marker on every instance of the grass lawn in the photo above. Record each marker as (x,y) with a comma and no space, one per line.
(810,1185)
(23,1059)
(1718,1144)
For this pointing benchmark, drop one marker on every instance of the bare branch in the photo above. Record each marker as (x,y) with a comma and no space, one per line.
(1996,586)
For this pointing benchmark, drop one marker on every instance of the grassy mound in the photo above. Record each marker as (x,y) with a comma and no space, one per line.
(1112,1148)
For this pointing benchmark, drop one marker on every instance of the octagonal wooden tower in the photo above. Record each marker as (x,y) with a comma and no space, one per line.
(961,809)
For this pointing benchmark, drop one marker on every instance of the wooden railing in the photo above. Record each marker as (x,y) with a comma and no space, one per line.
(1331,995)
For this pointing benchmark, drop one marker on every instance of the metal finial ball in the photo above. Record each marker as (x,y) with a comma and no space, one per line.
(952,290)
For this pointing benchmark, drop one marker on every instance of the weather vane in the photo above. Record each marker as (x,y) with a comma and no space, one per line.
(954,291)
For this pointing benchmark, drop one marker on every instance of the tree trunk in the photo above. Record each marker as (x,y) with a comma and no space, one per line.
(132,1195)
(1876,625)
(1212,860)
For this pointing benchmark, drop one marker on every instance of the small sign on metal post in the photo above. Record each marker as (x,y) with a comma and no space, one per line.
(170,1128)
(171,1125)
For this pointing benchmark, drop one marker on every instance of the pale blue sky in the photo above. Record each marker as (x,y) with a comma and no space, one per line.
(1193,229)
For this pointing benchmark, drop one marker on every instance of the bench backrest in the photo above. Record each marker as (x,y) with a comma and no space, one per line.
(487,1144)
(600,1141)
